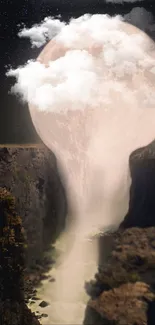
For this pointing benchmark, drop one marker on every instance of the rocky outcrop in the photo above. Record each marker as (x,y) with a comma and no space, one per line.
(130,304)
(30,173)
(126,282)
(13,309)
(142,204)
(123,291)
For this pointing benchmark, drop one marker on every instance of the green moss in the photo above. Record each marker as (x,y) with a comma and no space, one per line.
(11,247)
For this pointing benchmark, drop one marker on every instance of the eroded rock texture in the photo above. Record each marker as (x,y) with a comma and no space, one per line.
(30,173)
(126,281)
(13,310)
(123,292)
(142,203)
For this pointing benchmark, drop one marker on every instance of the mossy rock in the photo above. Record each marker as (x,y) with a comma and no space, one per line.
(12,248)
(13,309)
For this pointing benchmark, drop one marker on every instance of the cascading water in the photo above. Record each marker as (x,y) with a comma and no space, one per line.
(91,98)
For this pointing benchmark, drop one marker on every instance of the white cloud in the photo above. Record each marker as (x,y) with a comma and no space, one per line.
(80,68)
(50,27)
(41,33)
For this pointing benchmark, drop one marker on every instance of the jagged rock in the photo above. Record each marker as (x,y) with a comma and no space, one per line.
(127,258)
(44,315)
(93,288)
(131,260)
(44,304)
(129,304)
(15,313)
(123,280)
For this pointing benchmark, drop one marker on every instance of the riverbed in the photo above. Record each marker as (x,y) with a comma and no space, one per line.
(63,289)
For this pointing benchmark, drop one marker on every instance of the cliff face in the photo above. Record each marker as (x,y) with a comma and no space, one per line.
(126,282)
(142,203)
(13,309)
(123,291)
(31,174)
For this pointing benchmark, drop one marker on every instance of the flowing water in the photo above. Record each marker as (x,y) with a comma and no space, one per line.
(66,295)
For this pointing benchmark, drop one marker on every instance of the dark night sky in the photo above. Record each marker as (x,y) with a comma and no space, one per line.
(15,122)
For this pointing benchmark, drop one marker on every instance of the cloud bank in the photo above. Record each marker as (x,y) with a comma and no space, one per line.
(41,33)
(50,27)
(89,63)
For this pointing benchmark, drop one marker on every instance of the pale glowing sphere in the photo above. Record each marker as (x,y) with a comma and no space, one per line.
(107,111)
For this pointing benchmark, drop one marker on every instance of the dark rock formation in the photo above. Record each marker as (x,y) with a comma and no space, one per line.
(132,259)
(123,290)
(30,173)
(142,203)
(127,282)
(128,304)
(13,309)
(44,304)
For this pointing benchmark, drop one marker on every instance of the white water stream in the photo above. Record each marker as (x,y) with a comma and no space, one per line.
(66,295)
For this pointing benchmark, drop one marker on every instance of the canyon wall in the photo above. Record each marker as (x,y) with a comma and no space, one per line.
(123,290)
(30,174)
(13,309)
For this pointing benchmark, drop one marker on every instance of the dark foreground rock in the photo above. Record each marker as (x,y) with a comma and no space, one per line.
(126,282)
(44,304)
(13,309)
(123,290)
(30,173)
(129,304)
(15,313)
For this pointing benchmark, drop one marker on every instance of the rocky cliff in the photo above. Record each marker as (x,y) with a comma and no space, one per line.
(142,203)
(13,309)
(31,174)
(123,291)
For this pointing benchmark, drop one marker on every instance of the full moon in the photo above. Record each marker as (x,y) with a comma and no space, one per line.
(100,110)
